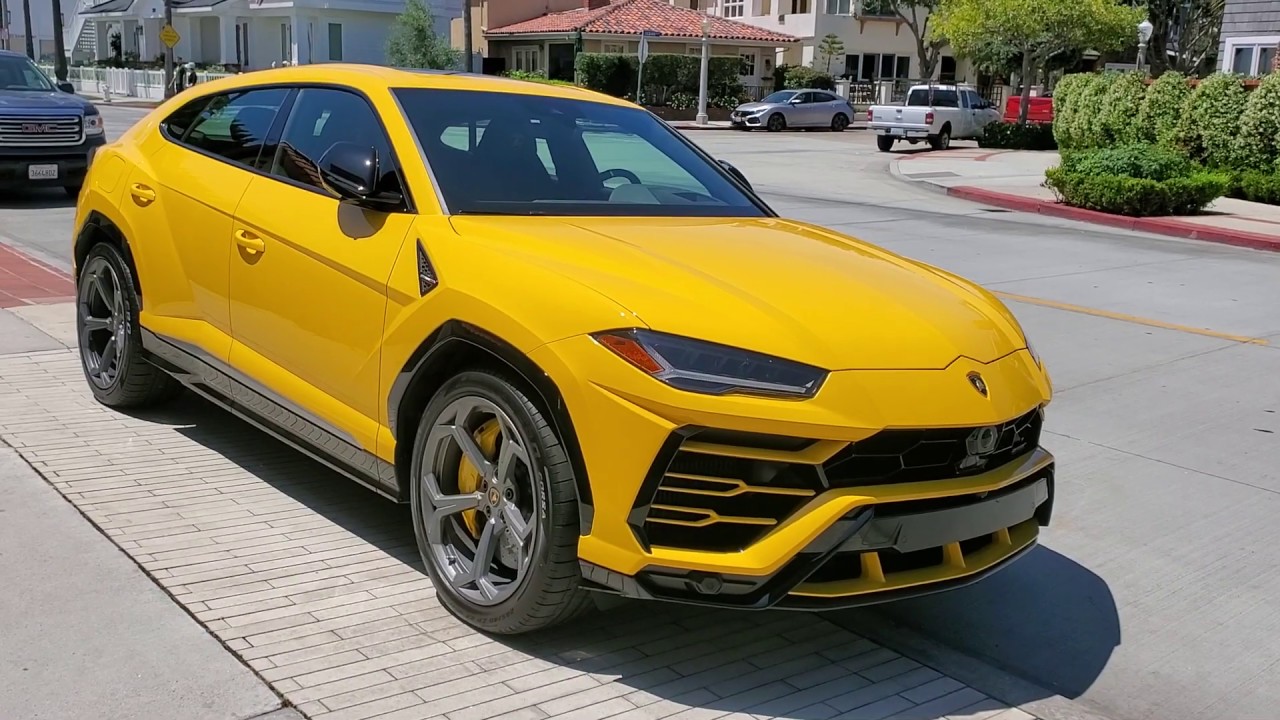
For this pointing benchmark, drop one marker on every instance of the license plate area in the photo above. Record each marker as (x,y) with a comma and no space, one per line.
(42,172)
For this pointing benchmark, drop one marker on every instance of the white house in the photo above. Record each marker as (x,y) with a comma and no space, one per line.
(245,34)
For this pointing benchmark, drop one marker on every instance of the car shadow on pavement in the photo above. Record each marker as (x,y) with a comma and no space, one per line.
(36,199)
(662,658)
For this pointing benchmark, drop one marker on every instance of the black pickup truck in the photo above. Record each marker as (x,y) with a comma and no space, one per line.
(47,133)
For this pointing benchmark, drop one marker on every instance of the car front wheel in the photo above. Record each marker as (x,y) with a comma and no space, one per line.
(776,123)
(495,509)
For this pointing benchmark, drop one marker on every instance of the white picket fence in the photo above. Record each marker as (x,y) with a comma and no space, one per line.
(123,82)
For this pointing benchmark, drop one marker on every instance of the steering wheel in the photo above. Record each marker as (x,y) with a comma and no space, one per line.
(619,173)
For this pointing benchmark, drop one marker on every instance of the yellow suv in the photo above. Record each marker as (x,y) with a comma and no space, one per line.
(587,353)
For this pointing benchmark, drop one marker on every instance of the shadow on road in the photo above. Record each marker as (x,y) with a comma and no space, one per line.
(36,199)
(771,664)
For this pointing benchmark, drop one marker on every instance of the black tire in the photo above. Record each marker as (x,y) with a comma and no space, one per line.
(839,122)
(776,123)
(941,141)
(884,142)
(550,592)
(135,382)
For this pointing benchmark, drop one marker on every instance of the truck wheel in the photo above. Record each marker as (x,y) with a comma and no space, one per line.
(884,142)
(942,140)
(839,122)
(777,122)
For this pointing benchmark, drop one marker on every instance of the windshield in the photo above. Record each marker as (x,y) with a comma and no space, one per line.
(779,97)
(19,73)
(513,154)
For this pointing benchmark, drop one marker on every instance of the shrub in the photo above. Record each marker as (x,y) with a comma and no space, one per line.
(1260,126)
(610,74)
(1016,136)
(1086,112)
(1162,108)
(1065,95)
(534,77)
(1211,120)
(1258,186)
(1119,108)
(665,75)
(1136,197)
(800,76)
(682,101)
(1136,160)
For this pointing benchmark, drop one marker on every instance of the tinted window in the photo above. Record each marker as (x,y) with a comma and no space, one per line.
(779,97)
(501,153)
(922,97)
(320,118)
(235,126)
(824,97)
(19,73)
(807,97)
(176,125)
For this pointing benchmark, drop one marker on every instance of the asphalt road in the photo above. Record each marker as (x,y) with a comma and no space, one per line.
(1153,594)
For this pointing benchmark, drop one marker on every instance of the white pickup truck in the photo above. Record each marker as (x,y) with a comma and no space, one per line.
(936,113)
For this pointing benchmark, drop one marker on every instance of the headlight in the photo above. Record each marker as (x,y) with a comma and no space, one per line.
(704,367)
(93,125)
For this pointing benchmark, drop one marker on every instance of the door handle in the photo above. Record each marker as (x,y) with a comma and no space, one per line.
(142,194)
(250,242)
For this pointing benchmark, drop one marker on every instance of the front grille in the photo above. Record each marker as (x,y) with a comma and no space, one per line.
(41,130)
(903,456)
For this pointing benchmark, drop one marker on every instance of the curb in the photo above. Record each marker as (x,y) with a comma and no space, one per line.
(1158,226)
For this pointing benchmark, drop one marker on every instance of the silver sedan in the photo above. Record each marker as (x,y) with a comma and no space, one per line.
(804,108)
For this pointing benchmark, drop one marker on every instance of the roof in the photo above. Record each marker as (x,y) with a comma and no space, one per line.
(109,6)
(633,17)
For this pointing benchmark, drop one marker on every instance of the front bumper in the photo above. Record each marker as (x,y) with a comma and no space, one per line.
(743,120)
(72,163)
(753,502)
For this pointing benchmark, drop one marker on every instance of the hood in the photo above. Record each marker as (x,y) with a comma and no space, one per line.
(35,100)
(754,106)
(779,287)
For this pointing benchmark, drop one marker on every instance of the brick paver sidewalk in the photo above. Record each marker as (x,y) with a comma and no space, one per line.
(316,583)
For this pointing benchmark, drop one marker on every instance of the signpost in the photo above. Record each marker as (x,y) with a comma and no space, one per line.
(169,36)
(643,55)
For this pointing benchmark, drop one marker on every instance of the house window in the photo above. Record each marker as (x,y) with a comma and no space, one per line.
(799,7)
(748,63)
(734,8)
(851,66)
(1253,55)
(286,42)
(839,7)
(615,48)
(335,42)
(528,58)
(885,66)
(879,8)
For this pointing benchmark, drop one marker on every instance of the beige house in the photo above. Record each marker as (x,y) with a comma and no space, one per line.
(545,35)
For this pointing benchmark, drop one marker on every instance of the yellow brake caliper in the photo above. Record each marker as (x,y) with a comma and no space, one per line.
(469,477)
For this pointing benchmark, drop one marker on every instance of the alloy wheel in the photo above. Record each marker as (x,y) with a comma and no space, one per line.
(480,501)
(103,322)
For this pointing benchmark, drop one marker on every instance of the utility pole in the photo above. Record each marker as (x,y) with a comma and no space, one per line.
(59,44)
(26,31)
(4,25)
(168,51)
(467,50)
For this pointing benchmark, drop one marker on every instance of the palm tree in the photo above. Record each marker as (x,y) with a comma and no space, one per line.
(26,24)
(59,44)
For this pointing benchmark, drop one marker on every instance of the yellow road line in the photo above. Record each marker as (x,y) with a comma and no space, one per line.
(1068,307)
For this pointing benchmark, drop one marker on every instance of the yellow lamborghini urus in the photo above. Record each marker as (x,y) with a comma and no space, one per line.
(587,354)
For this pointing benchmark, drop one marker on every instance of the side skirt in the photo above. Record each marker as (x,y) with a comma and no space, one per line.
(215,381)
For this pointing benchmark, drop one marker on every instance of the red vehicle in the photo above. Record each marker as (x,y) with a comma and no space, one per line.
(1041,110)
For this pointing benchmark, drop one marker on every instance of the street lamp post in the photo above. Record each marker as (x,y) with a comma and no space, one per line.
(1144,35)
(702,73)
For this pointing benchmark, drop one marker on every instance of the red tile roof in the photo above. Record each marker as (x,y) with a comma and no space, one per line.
(632,17)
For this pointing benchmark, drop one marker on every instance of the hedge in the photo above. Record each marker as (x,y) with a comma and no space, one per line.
(801,76)
(1136,160)
(1257,186)
(1161,109)
(1066,99)
(535,77)
(1260,127)
(1136,197)
(665,76)
(1017,136)
(1085,128)
(1210,121)
(1120,106)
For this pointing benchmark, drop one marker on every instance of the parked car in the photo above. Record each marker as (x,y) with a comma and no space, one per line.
(933,113)
(620,372)
(806,108)
(47,133)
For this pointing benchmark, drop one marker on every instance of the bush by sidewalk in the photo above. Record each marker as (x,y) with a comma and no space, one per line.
(1137,180)
(1018,136)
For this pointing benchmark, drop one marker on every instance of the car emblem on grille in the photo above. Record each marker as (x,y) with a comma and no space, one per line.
(978,383)
(35,128)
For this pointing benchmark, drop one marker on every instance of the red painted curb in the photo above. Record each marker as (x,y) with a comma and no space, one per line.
(1157,225)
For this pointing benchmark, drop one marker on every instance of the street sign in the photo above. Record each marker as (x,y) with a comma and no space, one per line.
(169,36)
(651,33)
(643,52)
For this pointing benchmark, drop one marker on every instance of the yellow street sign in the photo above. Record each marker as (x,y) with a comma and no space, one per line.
(169,36)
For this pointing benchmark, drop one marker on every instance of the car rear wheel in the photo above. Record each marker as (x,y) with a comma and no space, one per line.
(495,509)
(942,140)
(110,336)
(777,123)
(839,122)
(884,142)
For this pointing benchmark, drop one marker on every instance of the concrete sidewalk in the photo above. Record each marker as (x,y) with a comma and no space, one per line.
(1014,180)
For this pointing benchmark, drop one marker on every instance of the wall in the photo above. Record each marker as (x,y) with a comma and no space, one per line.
(1258,19)
(41,22)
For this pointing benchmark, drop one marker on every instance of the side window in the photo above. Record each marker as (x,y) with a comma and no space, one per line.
(235,126)
(177,124)
(825,97)
(322,117)
(805,98)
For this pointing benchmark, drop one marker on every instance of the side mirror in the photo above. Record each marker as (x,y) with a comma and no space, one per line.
(67,87)
(736,173)
(350,171)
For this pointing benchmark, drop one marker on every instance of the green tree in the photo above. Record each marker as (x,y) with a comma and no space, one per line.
(414,42)
(1036,30)
(916,15)
(830,48)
